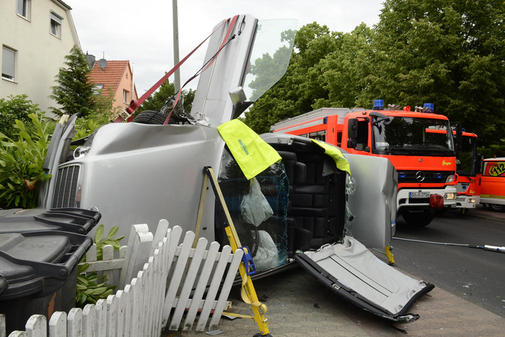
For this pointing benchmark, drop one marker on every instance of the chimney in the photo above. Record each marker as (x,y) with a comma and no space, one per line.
(91,60)
(102,63)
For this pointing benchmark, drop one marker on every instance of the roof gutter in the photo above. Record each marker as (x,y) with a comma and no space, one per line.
(62,4)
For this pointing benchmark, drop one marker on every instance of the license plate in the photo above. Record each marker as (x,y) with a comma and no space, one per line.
(418,195)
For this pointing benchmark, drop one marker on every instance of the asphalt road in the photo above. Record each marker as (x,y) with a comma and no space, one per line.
(475,275)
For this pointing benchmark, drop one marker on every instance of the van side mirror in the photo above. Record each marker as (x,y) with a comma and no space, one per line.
(352,133)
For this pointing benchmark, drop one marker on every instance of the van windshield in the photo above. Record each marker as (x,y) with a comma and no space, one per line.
(412,136)
(269,57)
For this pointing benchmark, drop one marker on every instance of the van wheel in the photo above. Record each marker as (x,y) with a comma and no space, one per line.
(150,117)
(418,218)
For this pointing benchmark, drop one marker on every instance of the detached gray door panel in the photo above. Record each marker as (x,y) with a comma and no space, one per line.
(352,271)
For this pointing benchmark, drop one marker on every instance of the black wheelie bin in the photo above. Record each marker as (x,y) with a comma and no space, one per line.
(39,254)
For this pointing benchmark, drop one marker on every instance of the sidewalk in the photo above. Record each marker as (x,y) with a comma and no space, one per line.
(300,306)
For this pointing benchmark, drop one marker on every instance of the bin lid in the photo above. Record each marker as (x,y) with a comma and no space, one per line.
(38,262)
(74,220)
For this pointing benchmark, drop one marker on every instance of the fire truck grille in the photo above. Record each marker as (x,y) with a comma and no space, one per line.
(423,176)
(66,187)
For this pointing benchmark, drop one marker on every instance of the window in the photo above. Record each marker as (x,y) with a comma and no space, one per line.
(362,141)
(98,88)
(24,8)
(125,96)
(358,134)
(56,25)
(494,169)
(8,63)
(339,138)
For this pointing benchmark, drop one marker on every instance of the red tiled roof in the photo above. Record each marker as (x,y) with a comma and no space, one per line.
(110,77)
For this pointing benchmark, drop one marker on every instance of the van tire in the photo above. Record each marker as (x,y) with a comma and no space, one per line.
(150,117)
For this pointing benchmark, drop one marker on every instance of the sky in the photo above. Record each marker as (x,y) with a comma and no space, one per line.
(142,31)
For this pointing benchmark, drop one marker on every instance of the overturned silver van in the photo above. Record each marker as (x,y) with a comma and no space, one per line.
(320,218)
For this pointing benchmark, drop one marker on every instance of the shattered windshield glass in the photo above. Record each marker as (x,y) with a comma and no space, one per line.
(269,57)
(412,136)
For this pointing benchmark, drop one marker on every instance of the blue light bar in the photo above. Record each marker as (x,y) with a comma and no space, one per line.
(378,104)
(429,107)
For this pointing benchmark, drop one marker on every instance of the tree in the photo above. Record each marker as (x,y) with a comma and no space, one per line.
(74,93)
(304,87)
(15,108)
(447,52)
(166,90)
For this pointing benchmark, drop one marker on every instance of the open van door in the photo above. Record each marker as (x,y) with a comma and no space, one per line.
(350,270)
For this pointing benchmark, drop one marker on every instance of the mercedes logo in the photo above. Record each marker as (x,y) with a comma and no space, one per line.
(420,176)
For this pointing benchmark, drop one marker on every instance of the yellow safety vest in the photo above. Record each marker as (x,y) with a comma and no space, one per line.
(252,153)
(334,152)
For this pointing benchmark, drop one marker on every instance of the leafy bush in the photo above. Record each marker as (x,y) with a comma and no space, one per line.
(15,107)
(90,286)
(100,241)
(21,158)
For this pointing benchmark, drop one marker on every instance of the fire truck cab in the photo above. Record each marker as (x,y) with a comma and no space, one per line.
(416,142)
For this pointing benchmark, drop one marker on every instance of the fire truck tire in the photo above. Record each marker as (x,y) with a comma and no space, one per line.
(498,208)
(418,218)
(150,117)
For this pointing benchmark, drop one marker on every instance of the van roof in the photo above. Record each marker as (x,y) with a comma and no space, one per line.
(495,159)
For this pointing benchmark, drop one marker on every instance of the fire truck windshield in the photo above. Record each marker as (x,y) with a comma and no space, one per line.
(411,136)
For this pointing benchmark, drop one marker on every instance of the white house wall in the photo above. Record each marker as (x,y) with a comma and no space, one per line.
(39,54)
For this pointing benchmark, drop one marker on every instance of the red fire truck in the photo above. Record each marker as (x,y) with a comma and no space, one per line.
(416,142)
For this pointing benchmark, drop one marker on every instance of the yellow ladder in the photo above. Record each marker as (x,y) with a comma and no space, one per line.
(248,293)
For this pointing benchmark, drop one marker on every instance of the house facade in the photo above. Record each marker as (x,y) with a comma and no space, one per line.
(114,78)
(35,37)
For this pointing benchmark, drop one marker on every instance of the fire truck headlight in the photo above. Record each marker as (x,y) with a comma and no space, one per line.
(472,201)
(449,196)
(450,179)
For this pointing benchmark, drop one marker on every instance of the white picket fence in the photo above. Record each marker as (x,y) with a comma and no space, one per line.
(174,282)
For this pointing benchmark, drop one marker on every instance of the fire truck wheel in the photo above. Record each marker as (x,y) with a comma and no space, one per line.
(498,208)
(150,117)
(421,218)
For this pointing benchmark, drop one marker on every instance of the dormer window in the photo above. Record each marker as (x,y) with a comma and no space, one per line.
(55,22)
(98,88)
(24,8)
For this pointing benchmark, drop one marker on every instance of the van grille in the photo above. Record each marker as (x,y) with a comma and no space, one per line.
(66,187)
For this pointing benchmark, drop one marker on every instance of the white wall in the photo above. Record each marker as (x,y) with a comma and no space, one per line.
(40,54)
